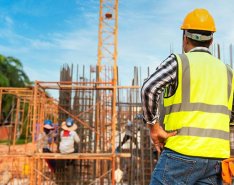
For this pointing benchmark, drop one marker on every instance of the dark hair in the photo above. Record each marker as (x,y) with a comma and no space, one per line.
(200,43)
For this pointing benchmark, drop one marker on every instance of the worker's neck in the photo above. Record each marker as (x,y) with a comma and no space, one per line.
(188,47)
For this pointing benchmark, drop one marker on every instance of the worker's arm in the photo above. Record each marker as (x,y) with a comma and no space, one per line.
(52,134)
(165,74)
(159,135)
(232,112)
(40,142)
(76,137)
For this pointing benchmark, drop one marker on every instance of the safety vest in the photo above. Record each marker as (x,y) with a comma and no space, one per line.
(201,106)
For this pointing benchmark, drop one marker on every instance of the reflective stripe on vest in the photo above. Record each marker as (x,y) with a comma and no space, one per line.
(190,138)
(191,131)
(184,106)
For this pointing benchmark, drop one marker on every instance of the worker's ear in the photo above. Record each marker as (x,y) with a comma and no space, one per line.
(185,43)
(211,42)
(186,40)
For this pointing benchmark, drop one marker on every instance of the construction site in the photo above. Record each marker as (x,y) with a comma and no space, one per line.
(93,97)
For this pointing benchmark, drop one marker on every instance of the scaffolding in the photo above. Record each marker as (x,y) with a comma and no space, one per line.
(97,158)
(100,106)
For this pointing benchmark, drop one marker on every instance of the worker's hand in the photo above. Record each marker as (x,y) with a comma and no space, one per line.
(159,135)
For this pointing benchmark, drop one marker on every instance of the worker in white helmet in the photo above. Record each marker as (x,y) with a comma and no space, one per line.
(130,134)
(198,96)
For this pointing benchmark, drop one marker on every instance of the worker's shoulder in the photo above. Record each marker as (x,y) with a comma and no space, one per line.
(171,57)
(170,60)
(229,67)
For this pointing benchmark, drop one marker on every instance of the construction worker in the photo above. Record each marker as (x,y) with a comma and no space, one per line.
(130,132)
(68,137)
(46,137)
(198,96)
(44,141)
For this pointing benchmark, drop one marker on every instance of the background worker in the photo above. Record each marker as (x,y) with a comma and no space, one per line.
(46,137)
(198,96)
(130,132)
(44,141)
(68,137)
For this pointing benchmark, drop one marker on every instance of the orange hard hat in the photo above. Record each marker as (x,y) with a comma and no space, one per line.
(199,19)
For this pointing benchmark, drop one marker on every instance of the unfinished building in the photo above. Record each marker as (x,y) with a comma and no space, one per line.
(100,107)
(91,104)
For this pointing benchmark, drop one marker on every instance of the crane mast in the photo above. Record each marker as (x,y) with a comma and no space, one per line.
(107,70)
(107,35)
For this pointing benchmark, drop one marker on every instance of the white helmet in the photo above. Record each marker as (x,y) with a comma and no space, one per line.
(129,123)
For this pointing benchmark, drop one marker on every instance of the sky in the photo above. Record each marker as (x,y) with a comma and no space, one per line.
(44,35)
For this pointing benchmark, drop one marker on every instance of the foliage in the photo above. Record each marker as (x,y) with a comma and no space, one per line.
(11,73)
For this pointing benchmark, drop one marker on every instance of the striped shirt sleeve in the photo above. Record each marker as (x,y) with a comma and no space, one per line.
(165,74)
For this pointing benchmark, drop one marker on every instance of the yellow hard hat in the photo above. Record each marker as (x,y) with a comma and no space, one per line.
(199,19)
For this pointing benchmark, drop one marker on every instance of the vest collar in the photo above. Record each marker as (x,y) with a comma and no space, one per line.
(200,49)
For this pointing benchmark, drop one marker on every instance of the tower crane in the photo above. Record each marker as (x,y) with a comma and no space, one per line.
(107,56)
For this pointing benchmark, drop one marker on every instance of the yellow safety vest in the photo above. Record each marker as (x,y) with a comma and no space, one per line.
(201,107)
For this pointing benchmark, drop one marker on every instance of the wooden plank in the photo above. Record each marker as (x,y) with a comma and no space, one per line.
(91,156)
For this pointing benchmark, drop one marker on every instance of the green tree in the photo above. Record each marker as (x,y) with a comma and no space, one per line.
(11,73)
